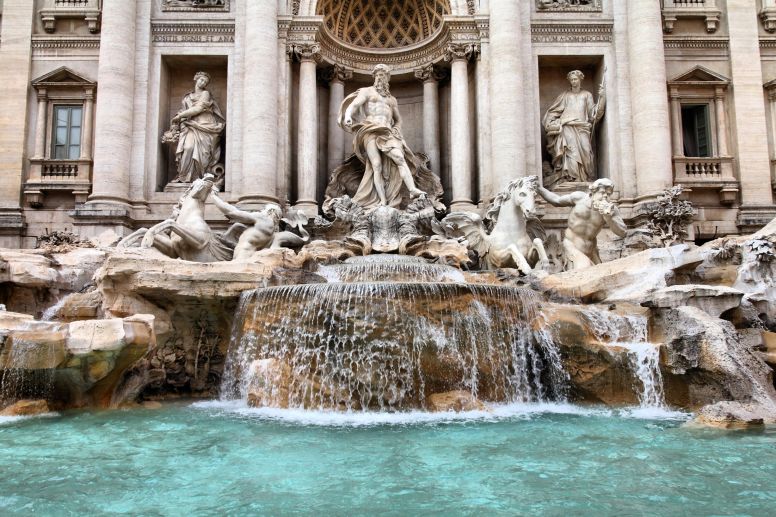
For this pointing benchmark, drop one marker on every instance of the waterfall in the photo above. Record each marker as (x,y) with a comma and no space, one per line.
(631,333)
(25,370)
(373,345)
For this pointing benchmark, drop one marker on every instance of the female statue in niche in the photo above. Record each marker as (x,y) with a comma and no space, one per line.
(570,122)
(197,129)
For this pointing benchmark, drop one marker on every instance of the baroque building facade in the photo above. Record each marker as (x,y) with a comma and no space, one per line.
(91,86)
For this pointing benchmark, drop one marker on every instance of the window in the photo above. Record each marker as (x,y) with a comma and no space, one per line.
(67,133)
(696,130)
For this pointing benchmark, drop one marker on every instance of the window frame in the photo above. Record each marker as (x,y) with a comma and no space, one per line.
(52,149)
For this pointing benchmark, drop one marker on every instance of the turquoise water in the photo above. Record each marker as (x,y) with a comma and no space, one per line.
(222,459)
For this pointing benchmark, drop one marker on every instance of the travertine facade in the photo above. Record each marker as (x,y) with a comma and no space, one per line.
(91,86)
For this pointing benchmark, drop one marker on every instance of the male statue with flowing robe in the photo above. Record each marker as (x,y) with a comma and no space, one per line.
(570,122)
(372,114)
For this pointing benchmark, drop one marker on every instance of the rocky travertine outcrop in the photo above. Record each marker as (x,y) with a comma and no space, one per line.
(76,364)
(632,278)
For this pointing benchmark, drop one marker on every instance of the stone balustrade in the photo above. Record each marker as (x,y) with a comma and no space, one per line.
(706,9)
(708,173)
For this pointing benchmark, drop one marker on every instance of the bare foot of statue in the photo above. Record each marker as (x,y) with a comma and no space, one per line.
(416,192)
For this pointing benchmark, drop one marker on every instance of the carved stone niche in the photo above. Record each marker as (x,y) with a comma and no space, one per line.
(176,80)
(553,81)
(195,5)
(568,6)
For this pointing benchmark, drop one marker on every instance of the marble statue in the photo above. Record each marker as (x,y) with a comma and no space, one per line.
(515,238)
(590,212)
(262,230)
(570,122)
(196,129)
(372,114)
(186,235)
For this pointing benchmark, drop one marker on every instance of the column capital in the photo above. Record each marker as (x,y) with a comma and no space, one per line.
(89,94)
(42,94)
(719,92)
(336,73)
(307,51)
(460,51)
(673,92)
(429,73)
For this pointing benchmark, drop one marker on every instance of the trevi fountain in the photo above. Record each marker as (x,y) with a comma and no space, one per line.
(399,349)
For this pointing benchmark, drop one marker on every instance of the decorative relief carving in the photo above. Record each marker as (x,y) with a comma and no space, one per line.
(430,73)
(470,7)
(336,72)
(180,32)
(568,5)
(307,51)
(455,51)
(571,33)
(371,24)
(195,5)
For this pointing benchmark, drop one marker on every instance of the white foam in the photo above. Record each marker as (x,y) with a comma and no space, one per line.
(365,419)
(8,420)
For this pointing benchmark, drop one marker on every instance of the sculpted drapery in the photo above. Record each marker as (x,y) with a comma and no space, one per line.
(569,123)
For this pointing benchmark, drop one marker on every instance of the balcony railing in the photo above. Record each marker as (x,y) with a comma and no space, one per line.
(88,10)
(57,175)
(706,9)
(707,173)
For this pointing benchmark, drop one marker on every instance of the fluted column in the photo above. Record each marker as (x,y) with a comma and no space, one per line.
(336,76)
(722,126)
(430,78)
(507,92)
(86,125)
(651,126)
(115,107)
(285,95)
(307,140)
(676,124)
(747,78)
(260,108)
(40,126)
(460,131)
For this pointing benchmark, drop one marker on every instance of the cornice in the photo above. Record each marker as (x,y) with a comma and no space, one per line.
(192,32)
(572,32)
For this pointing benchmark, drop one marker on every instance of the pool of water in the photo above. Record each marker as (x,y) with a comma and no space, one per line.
(224,459)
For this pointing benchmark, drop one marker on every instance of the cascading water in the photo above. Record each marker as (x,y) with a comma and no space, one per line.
(25,370)
(362,345)
(630,332)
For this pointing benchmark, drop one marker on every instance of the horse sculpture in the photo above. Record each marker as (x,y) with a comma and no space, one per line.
(186,235)
(515,234)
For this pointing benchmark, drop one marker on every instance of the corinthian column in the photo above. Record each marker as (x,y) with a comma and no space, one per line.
(460,131)
(651,127)
(307,141)
(430,78)
(115,107)
(260,107)
(336,76)
(747,78)
(507,97)
(484,152)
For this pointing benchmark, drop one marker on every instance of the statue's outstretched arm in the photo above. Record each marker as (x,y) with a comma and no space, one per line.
(556,200)
(232,212)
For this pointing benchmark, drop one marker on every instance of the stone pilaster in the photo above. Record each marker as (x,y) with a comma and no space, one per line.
(115,111)
(507,92)
(750,122)
(460,130)
(430,77)
(722,125)
(676,123)
(15,54)
(86,128)
(336,76)
(651,121)
(260,107)
(40,125)
(307,140)
(285,94)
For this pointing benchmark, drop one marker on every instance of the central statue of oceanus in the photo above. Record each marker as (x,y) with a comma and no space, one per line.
(390,166)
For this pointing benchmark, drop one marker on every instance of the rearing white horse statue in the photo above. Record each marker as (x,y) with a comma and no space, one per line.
(514,240)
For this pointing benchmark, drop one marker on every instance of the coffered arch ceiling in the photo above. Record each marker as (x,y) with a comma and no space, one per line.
(382,24)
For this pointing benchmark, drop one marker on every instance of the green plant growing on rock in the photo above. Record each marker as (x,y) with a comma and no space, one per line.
(670,217)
